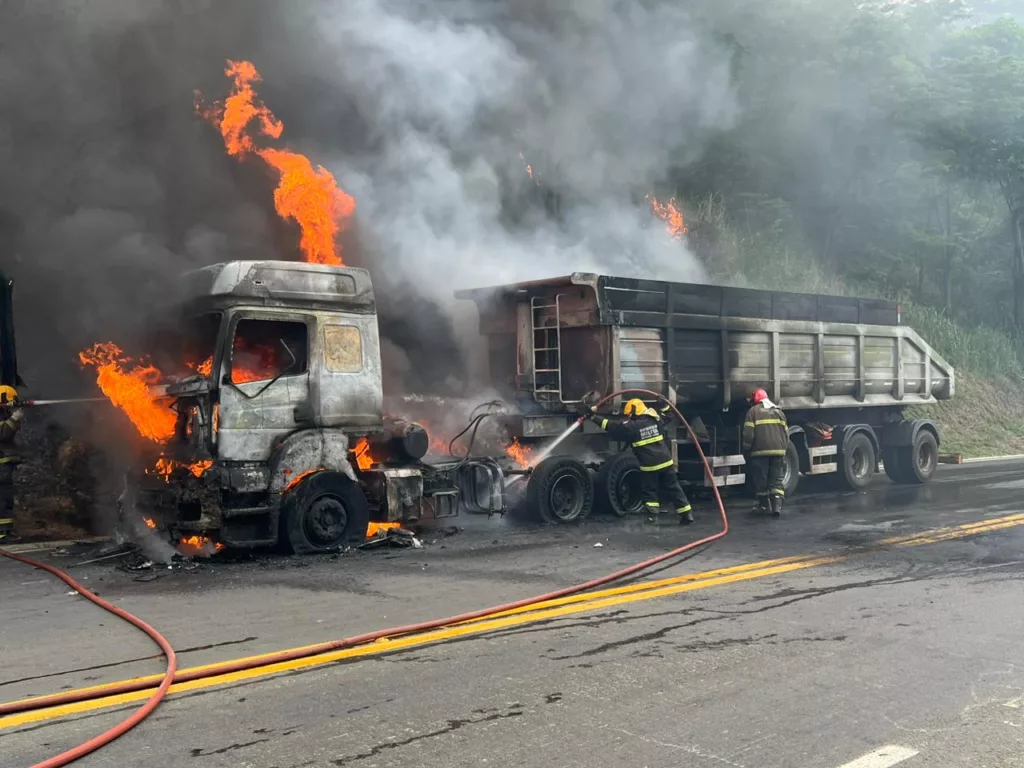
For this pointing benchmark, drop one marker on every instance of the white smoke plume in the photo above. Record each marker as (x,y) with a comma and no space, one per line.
(428,112)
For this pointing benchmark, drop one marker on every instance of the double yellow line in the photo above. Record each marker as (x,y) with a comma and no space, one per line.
(546,611)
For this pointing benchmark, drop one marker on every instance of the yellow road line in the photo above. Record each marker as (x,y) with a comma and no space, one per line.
(544,612)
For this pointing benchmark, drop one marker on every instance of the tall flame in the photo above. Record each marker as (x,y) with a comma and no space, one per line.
(127,385)
(309,196)
(669,212)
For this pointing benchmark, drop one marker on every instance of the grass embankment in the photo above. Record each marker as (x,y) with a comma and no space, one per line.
(986,415)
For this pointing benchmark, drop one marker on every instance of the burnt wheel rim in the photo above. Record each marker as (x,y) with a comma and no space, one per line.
(627,491)
(859,463)
(787,471)
(926,458)
(325,521)
(566,497)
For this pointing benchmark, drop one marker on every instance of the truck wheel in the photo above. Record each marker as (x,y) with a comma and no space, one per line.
(917,462)
(618,486)
(326,511)
(893,463)
(791,470)
(560,490)
(857,462)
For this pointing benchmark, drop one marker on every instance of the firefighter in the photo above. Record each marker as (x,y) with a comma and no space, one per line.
(765,439)
(10,421)
(643,429)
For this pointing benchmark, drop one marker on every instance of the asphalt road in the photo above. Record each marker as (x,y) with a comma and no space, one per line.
(890,645)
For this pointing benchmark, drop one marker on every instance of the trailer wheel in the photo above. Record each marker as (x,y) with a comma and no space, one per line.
(561,490)
(791,470)
(857,461)
(618,486)
(326,511)
(917,462)
(892,460)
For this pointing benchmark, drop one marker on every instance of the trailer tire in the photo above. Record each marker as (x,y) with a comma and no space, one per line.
(917,462)
(618,486)
(892,461)
(791,470)
(560,490)
(325,512)
(857,461)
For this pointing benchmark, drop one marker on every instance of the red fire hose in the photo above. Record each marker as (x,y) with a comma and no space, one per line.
(66,758)
(315,650)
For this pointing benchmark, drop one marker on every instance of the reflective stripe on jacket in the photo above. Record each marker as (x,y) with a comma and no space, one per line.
(645,436)
(765,432)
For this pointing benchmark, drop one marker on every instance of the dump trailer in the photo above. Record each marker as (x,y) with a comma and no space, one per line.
(843,369)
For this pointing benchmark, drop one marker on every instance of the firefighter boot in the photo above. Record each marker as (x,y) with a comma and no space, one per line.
(761,506)
(685,515)
(776,506)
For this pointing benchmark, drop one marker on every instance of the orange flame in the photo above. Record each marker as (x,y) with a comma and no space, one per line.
(361,451)
(127,385)
(164,467)
(204,368)
(197,543)
(374,528)
(299,478)
(309,196)
(669,212)
(150,522)
(519,453)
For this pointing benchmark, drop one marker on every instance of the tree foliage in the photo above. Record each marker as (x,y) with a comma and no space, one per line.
(881,142)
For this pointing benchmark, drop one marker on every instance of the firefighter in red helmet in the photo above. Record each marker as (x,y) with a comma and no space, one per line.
(765,440)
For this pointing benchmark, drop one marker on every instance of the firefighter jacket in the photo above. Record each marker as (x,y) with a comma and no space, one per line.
(8,429)
(646,437)
(765,432)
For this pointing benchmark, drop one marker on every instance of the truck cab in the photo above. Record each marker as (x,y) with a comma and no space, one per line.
(281,434)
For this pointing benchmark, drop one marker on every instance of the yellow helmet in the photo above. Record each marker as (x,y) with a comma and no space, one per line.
(635,407)
(7,395)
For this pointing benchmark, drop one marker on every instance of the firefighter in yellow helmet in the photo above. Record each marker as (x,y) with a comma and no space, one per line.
(10,422)
(644,430)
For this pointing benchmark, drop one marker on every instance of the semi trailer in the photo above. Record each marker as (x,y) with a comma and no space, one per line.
(284,434)
(843,369)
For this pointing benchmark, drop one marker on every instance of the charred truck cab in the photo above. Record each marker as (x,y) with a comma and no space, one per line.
(277,426)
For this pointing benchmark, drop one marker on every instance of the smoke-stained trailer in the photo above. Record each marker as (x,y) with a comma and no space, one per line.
(844,370)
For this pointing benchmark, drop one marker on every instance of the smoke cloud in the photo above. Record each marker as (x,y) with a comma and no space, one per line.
(427,112)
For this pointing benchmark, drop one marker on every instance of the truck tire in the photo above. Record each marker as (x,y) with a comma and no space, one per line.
(324,513)
(857,461)
(560,490)
(791,470)
(893,463)
(618,486)
(917,462)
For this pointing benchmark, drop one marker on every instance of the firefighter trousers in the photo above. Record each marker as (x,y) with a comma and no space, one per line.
(663,485)
(6,497)
(767,474)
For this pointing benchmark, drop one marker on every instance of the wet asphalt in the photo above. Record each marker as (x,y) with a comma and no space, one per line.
(913,648)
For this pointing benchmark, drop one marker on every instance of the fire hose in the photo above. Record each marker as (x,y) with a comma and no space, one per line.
(172,676)
(70,756)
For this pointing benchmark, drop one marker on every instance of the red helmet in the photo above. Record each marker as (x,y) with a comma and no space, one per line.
(759,395)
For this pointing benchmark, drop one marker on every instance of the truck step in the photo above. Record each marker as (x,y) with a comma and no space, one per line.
(245,512)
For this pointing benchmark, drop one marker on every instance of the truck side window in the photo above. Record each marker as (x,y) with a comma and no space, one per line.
(258,352)
(343,349)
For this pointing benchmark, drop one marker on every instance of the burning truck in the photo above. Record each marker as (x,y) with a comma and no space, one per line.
(278,432)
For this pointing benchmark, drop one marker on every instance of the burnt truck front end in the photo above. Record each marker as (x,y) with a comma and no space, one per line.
(281,434)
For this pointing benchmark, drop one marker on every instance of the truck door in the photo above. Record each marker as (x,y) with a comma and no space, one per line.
(264,384)
(346,372)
